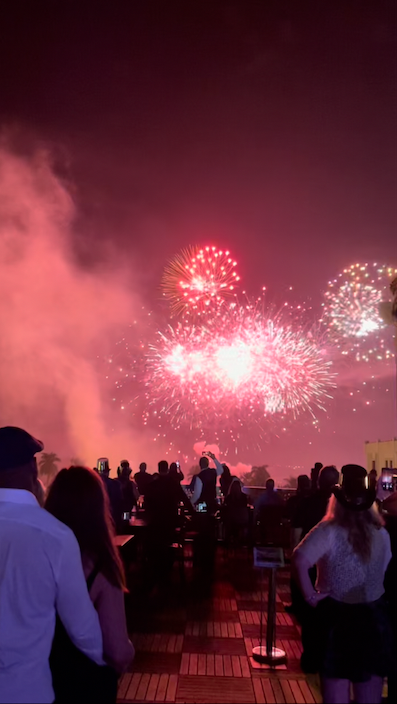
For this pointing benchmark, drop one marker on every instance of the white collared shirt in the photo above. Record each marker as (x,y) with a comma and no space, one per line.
(40,575)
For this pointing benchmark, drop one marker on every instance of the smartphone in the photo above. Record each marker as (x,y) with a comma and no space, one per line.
(102,465)
(386,480)
(177,464)
(126,516)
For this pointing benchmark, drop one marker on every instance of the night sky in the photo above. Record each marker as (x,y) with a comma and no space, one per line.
(264,127)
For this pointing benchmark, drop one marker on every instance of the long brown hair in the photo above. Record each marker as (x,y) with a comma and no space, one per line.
(78,498)
(358,525)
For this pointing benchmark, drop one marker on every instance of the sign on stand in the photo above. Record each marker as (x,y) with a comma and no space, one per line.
(270,558)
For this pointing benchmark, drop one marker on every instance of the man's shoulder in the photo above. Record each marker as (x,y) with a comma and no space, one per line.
(35,519)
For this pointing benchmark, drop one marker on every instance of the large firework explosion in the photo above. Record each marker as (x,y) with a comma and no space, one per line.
(198,280)
(351,311)
(241,363)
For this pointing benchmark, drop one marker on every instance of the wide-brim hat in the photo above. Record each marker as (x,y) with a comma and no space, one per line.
(17,447)
(354,494)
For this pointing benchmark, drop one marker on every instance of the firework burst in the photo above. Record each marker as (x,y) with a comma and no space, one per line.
(240,365)
(199,280)
(351,311)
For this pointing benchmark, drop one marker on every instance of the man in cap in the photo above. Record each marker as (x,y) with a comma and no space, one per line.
(40,575)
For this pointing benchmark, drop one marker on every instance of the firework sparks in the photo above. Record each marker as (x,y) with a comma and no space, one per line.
(351,310)
(198,280)
(240,364)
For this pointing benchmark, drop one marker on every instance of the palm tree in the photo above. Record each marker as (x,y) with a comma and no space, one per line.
(48,466)
(290,482)
(258,476)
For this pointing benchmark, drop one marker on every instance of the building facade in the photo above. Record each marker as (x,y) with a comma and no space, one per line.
(381,454)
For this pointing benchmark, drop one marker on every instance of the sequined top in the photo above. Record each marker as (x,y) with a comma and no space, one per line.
(340,571)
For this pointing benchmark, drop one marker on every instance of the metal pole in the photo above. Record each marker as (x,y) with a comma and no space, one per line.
(271,614)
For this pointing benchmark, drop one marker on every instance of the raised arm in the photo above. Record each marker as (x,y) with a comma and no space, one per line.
(218,466)
(73,603)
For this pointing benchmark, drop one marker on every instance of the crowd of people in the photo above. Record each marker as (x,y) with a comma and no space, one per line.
(63,633)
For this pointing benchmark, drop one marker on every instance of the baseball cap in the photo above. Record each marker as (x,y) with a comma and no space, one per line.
(17,447)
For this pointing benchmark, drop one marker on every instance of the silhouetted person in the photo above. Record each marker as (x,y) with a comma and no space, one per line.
(389,508)
(313,508)
(235,512)
(115,495)
(225,480)
(142,478)
(175,472)
(294,502)
(314,474)
(162,501)
(269,497)
(205,485)
(128,488)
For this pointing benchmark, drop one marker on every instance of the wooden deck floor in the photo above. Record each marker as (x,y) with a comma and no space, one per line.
(194,643)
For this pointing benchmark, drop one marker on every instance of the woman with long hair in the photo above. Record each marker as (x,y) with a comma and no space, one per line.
(351,550)
(78,498)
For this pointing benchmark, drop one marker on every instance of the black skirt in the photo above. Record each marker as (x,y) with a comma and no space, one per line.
(355,641)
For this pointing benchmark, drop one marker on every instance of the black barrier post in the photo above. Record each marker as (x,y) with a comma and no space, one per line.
(269,655)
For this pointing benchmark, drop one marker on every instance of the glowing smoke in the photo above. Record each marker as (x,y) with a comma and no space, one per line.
(54,316)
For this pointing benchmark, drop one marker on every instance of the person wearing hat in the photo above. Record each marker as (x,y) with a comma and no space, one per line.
(40,575)
(351,550)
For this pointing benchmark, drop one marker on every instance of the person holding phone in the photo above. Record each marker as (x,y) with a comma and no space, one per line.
(205,485)
(113,490)
(175,472)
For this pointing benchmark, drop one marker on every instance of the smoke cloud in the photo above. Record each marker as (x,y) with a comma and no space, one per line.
(56,317)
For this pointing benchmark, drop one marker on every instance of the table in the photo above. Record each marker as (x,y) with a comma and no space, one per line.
(121,540)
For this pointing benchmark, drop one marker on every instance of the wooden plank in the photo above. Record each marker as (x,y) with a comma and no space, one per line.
(286,645)
(248,646)
(236,666)
(152,688)
(155,648)
(218,665)
(224,630)
(278,692)
(227,666)
(123,685)
(179,644)
(189,628)
(245,668)
(268,691)
(171,644)
(203,629)
(133,687)
(162,688)
(217,630)
(258,691)
(210,629)
(248,616)
(295,649)
(237,628)
(184,668)
(296,691)
(307,695)
(193,663)
(202,663)
(287,691)
(143,685)
(315,692)
(233,604)
(196,628)
(231,630)
(163,643)
(243,617)
(171,689)
(210,665)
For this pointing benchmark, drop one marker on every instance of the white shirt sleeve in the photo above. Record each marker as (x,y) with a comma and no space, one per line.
(316,543)
(198,488)
(218,466)
(73,603)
